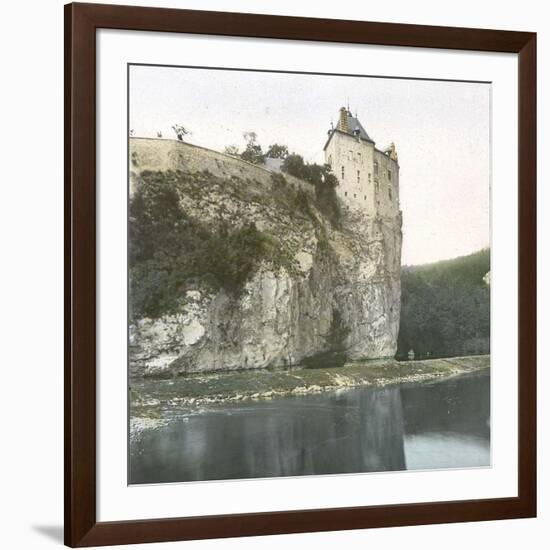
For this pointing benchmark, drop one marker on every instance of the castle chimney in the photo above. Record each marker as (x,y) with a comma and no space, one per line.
(343,123)
(393,152)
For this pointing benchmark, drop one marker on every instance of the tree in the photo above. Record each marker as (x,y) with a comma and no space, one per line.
(294,164)
(180,131)
(445,307)
(253,152)
(231,150)
(277,151)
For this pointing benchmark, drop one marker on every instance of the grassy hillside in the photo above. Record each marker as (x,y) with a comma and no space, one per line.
(445,308)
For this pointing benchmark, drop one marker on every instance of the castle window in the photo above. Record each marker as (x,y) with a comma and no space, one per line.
(354,196)
(359,157)
(345,193)
(358,176)
(342,172)
(330,160)
(375,168)
(365,197)
(389,175)
(369,176)
(350,155)
(389,193)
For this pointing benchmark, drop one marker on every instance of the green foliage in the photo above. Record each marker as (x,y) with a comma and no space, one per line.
(299,202)
(235,253)
(291,198)
(295,166)
(445,308)
(253,152)
(324,182)
(277,151)
(327,200)
(170,251)
(278,180)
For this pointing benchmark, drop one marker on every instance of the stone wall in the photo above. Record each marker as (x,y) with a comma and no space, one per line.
(169,154)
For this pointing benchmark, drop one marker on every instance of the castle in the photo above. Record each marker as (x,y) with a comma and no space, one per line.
(368,177)
(346,302)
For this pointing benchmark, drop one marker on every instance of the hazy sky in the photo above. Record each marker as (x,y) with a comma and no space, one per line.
(441,131)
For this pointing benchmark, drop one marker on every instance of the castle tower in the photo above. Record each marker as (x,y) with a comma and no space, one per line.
(368,177)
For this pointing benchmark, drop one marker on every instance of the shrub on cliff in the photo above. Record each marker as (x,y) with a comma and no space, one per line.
(322,179)
(234,254)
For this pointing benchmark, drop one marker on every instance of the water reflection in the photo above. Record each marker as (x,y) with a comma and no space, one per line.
(436,425)
(447,424)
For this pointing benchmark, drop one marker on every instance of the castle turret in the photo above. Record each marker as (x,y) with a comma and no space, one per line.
(368,177)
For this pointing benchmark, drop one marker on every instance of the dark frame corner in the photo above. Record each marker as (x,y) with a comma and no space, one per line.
(81,23)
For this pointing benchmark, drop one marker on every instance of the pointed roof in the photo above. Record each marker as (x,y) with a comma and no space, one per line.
(349,124)
(355,128)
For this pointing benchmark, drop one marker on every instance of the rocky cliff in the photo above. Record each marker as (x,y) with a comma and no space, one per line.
(257,272)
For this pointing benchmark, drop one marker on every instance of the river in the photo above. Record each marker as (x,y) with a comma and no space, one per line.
(440,424)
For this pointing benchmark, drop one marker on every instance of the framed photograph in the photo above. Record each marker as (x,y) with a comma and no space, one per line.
(300,274)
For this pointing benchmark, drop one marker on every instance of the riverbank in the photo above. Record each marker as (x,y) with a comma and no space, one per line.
(150,397)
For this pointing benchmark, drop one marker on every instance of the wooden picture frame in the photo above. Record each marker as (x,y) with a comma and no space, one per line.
(81,23)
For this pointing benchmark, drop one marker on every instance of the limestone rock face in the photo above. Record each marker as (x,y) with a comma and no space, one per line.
(339,293)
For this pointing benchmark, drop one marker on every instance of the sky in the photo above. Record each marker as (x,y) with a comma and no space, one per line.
(441,131)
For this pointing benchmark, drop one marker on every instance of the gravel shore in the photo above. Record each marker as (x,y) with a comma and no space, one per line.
(150,397)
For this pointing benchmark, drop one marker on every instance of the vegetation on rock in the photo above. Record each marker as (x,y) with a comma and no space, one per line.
(319,176)
(170,250)
(324,182)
